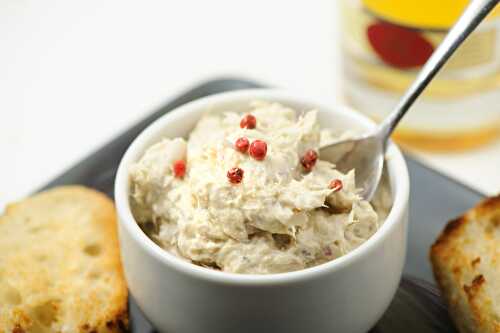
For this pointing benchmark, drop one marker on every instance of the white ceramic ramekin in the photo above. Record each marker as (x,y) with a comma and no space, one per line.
(346,295)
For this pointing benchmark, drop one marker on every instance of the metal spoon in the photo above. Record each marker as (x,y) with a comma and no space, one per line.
(366,154)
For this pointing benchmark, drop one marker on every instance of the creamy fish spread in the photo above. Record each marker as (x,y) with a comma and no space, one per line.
(248,193)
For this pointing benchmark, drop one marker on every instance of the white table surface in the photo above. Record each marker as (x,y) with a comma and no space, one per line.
(74,74)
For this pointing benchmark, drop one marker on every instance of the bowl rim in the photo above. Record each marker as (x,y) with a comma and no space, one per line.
(395,162)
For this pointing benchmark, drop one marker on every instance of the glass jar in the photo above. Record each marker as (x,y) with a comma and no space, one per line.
(384,44)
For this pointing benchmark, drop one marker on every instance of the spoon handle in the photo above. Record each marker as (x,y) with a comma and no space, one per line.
(468,21)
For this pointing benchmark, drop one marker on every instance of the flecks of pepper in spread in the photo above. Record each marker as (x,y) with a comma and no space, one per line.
(258,150)
(309,159)
(235,175)
(248,121)
(242,145)
(179,168)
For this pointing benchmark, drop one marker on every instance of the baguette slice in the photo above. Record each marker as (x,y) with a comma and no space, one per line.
(466,264)
(60,268)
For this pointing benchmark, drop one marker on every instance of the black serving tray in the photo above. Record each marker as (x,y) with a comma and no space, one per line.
(435,199)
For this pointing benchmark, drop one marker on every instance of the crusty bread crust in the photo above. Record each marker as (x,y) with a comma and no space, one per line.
(466,263)
(60,268)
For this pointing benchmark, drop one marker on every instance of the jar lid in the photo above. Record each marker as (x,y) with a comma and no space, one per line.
(431,14)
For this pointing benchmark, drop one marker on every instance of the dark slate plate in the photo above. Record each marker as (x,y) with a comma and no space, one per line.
(435,199)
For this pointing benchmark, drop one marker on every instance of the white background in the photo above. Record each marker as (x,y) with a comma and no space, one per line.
(74,74)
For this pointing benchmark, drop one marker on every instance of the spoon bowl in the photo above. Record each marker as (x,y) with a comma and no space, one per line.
(365,155)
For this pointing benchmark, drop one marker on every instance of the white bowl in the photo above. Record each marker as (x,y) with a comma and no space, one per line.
(348,294)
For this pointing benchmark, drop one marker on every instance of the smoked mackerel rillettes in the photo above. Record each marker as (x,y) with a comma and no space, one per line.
(248,193)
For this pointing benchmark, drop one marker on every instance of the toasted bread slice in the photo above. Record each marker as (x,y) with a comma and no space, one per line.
(466,264)
(60,268)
